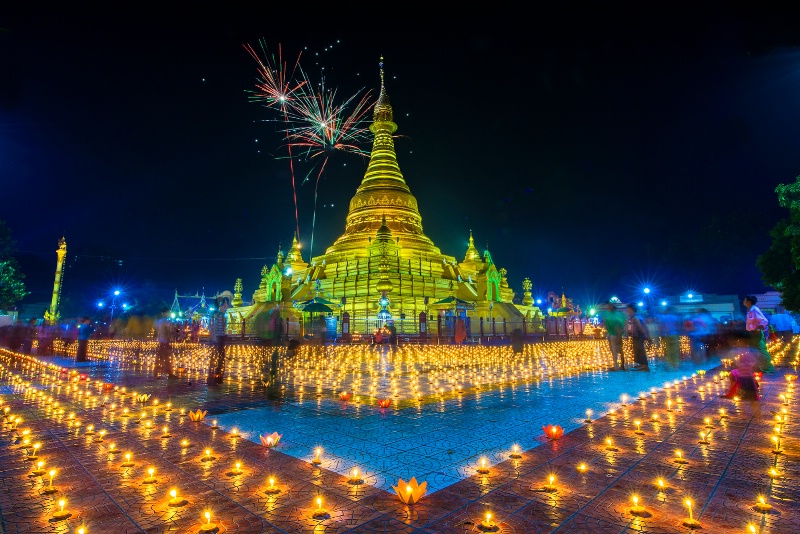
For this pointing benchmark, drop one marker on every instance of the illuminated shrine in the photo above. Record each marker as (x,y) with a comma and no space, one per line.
(383,268)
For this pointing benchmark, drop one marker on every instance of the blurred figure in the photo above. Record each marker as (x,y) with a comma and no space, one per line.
(743,377)
(782,322)
(671,336)
(218,329)
(653,331)
(614,322)
(637,332)
(164,334)
(756,324)
(85,331)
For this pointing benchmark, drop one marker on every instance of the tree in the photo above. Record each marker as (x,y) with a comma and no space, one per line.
(12,289)
(779,265)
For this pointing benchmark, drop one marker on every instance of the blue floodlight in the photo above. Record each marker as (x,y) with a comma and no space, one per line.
(640,304)
(116,292)
(690,295)
(288,271)
(172,315)
(100,304)
(538,301)
(549,310)
(663,302)
(647,291)
(591,311)
(125,306)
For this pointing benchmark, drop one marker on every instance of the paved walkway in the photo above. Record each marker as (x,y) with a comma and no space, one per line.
(723,478)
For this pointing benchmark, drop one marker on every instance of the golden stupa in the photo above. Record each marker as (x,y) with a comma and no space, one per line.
(383,268)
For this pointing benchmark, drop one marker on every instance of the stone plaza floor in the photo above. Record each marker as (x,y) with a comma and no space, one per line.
(438,436)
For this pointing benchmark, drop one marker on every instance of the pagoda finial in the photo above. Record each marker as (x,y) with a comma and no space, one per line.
(472,252)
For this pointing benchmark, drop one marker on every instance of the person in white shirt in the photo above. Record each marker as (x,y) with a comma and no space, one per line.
(756,324)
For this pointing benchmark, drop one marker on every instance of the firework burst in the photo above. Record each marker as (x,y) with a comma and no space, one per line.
(316,124)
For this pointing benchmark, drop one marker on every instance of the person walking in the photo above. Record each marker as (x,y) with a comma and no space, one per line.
(165,333)
(637,332)
(614,322)
(219,337)
(756,324)
(84,333)
(782,322)
(670,334)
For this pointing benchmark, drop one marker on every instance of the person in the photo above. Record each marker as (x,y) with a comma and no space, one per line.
(218,337)
(84,333)
(517,343)
(164,335)
(756,324)
(614,322)
(744,377)
(670,333)
(653,331)
(782,322)
(637,332)
(461,331)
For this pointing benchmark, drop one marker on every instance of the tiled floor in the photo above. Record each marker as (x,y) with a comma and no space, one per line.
(439,439)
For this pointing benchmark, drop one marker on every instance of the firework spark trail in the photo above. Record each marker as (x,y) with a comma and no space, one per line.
(274,89)
(314,125)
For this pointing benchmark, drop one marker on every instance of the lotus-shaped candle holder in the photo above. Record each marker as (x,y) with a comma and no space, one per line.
(198,415)
(270,440)
(384,403)
(553,431)
(345,396)
(410,492)
(790,378)
(143,397)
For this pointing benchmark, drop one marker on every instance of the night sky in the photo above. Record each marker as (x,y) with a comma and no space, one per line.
(594,150)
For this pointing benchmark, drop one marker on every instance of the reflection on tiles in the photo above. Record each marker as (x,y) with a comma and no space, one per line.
(441,441)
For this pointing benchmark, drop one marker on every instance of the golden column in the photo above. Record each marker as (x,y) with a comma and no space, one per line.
(61,252)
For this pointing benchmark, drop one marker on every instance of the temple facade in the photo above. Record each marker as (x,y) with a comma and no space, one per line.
(383,268)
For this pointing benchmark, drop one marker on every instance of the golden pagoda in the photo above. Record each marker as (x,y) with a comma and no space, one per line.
(383,267)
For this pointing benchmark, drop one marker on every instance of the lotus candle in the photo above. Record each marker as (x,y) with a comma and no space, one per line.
(582,467)
(762,505)
(660,484)
(637,509)
(272,488)
(704,438)
(90,430)
(127,462)
(36,447)
(482,469)
(624,399)
(515,452)
(61,513)
(208,526)
(410,492)
(214,425)
(679,459)
(707,421)
(773,473)
(722,413)
(691,522)
(588,416)
(638,427)
(316,460)
(610,445)
(550,487)
(207,458)
(112,449)
(669,405)
(166,433)
(100,436)
(176,501)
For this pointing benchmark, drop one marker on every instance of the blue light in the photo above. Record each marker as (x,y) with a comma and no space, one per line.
(646,290)
(640,304)
(100,304)
(538,301)
(125,306)
(663,302)
(690,295)
(549,310)
(591,311)
(116,292)
(288,271)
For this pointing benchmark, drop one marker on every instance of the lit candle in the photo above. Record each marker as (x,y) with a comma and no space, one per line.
(316,460)
(638,427)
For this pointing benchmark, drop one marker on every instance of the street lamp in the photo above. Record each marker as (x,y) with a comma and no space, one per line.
(114,303)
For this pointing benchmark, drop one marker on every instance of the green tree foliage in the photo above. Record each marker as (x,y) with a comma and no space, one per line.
(779,265)
(12,289)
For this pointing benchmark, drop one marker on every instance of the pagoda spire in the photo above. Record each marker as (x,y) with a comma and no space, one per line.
(294,255)
(472,252)
(383,193)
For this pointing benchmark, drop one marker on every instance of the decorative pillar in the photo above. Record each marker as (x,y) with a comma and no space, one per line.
(61,253)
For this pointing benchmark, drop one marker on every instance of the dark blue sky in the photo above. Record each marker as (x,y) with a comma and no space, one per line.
(594,149)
